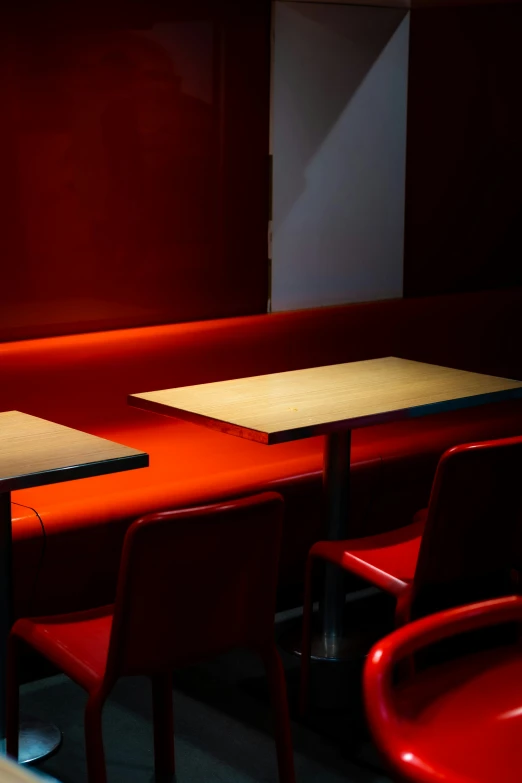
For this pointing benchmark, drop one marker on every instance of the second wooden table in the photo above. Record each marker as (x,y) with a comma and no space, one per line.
(329,401)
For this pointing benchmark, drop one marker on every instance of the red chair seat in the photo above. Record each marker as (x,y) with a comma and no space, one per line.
(76,643)
(468,716)
(387,560)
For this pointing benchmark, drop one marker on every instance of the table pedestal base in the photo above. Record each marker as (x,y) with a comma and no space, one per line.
(367,616)
(342,649)
(37,740)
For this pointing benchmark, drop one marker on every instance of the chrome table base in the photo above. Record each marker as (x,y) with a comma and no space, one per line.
(37,740)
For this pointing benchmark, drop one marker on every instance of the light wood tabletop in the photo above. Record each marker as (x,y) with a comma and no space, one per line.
(35,451)
(298,404)
(13,773)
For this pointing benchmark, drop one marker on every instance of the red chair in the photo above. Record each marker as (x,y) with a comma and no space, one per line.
(457,722)
(192,584)
(464,547)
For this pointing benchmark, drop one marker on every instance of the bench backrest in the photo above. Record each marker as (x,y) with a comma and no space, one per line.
(83,380)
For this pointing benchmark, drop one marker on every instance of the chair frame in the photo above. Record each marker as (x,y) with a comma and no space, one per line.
(161,680)
(404,593)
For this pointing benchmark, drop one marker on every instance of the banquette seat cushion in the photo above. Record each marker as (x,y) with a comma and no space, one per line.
(67,537)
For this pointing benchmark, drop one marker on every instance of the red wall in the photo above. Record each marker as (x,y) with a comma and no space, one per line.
(464,156)
(133,151)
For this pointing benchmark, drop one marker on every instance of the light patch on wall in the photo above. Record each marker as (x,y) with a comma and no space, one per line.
(339,145)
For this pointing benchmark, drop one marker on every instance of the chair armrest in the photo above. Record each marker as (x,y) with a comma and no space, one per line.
(441,625)
(405,641)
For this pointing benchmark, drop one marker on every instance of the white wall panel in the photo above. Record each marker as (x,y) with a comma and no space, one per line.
(339,147)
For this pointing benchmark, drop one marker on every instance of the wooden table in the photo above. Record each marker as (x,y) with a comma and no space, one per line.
(13,773)
(329,401)
(34,452)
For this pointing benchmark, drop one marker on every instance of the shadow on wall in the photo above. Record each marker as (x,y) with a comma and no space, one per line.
(326,56)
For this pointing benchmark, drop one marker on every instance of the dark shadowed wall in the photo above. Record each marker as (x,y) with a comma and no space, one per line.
(133,151)
(463,229)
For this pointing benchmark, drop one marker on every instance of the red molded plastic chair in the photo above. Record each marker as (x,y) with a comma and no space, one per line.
(457,722)
(466,546)
(192,584)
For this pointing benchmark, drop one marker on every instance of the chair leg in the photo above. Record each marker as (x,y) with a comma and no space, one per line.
(405,667)
(403,609)
(96,770)
(278,696)
(163,717)
(306,644)
(12,698)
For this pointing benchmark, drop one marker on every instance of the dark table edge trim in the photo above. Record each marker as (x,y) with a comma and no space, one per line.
(300,433)
(472,401)
(198,418)
(73,472)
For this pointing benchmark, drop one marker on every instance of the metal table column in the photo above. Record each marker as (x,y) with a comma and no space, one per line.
(37,738)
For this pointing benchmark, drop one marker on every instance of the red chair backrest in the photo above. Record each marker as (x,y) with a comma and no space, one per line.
(196,582)
(472,540)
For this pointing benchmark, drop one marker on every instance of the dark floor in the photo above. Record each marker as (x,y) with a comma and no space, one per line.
(223,723)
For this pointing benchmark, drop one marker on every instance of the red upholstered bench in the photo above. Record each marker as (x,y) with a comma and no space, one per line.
(83,381)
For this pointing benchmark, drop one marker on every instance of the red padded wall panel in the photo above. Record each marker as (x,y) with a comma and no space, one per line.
(464,158)
(134,146)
